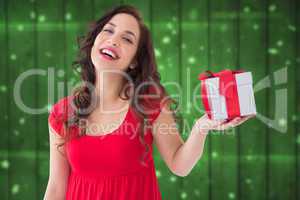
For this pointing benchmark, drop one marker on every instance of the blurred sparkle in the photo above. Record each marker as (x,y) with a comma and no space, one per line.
(214,154)
(292,28)
(183,195)
(49,106)
(3,88)
(247,9)
(16,132)
(191,60)
(22,120)
(248,181)
(272,7)
(48,54)
(170,25)
(158,174)
(5,164)
(173,178)
(249,157)
(197,192)
(20,27)
(273,51)
(279,43)
(157,52)
(255,26)
(60,73)
(282,122)
(13,56)
(15,188)
(166,40)
(231,195)
(32,15)
(298,139)
(42,18)
(68,16)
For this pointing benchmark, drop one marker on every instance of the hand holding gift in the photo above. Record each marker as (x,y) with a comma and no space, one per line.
(205,124)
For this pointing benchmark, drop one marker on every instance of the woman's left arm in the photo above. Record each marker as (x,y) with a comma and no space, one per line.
(180,156)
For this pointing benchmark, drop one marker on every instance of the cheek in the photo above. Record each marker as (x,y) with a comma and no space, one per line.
(93,52)
(94,55)
(95,48)
(130,53)
(99,39)
(128,56)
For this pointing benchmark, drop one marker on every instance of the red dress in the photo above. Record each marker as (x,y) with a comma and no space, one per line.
(108,167)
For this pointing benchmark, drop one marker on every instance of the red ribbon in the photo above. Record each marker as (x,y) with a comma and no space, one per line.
(227,88)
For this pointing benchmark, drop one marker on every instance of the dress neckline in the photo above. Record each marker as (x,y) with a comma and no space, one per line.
(113,131)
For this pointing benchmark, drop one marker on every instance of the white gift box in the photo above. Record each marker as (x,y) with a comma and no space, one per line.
(245,94)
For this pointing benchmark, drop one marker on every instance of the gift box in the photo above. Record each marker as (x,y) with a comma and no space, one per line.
(227,94)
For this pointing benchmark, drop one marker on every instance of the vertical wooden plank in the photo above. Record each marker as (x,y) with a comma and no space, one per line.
(252,29)
(165,27)
(297,104)
(4,162)
(50,58)
(282,30)
(143,7)
(22,132)
(100,7)
(194,51)
(76,24)
(223,54)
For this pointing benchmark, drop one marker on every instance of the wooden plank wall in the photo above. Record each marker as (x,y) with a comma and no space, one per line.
(258,160)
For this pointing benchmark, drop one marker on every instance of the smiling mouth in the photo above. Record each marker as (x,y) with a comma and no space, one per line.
(108,54)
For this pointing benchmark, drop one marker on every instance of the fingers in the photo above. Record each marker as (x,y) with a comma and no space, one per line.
(246,118)
(241,120)
(233,123)
(204,123)
(225,124)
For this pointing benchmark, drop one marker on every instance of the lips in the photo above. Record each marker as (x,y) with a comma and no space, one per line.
(109,53)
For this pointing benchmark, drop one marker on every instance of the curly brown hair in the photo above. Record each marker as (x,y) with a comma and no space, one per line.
(145,71)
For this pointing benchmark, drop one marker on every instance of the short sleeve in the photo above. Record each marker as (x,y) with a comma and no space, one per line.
(58,115)
(154,114)
(154,105)
(156,110)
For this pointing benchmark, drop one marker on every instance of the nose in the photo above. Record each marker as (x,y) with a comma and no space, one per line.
(114,40)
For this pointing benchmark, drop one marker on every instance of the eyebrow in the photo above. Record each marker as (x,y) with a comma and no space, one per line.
(127,31)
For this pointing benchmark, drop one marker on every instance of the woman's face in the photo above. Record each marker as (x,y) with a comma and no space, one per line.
(116,44)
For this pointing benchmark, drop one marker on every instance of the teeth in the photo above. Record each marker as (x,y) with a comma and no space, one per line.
(109,53)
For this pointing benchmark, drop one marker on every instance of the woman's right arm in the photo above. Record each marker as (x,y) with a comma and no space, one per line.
(58,169)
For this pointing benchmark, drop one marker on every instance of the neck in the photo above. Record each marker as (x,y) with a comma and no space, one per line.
(108,87)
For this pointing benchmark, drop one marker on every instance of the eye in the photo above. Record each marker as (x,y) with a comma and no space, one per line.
(128,40)
(108,30)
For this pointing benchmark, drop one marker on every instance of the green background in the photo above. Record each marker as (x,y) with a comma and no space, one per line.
(261,36)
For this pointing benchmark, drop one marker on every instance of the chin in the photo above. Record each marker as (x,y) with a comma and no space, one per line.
(108,67)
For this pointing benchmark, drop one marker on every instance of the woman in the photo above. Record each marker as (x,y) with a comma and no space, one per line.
(121,90)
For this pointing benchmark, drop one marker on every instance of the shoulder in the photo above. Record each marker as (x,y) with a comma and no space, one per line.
(157,108)
(62,106)
(163,109)
(156,102)
(60,111)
